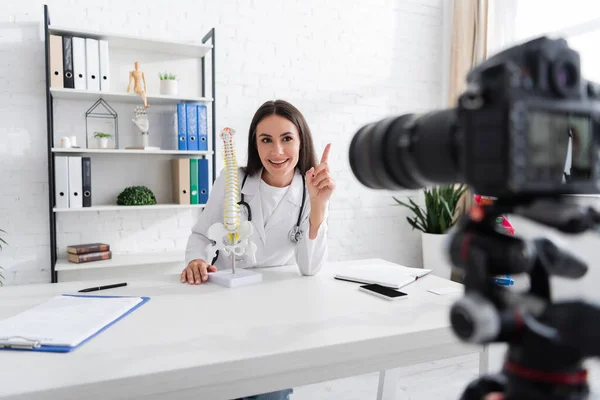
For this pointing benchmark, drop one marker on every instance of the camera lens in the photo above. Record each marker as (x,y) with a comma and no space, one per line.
(406,152)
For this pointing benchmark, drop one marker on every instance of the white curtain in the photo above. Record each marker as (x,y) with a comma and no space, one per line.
(502,29)
(469,42)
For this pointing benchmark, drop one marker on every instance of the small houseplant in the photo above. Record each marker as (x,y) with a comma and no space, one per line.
(434,221)
(168,83)
(103,138)
(136,196)
(2,241)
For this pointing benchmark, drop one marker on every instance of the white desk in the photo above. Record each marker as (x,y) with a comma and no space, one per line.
(210,342)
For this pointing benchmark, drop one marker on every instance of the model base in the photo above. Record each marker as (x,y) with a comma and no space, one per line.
(241,277)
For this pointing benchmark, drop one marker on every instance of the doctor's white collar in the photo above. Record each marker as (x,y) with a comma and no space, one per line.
(294,195)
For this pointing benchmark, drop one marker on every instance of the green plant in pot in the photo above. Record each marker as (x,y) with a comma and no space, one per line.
(136,196)
(434,220)
(167,76)
(168,83)
(103,138)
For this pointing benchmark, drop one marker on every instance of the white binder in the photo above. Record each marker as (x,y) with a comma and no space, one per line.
(79,63)
(61,181)
(104,73)
(75,182)
(92,64)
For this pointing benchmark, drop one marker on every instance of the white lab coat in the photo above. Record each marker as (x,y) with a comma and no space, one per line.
(272,241)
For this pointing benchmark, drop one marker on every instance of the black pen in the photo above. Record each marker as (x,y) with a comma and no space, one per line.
(93,289)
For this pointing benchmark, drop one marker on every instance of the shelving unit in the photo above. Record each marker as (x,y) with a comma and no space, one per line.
(126,42)
(169,50)
(122,260)
(93,95)
(131,151)
(126,208)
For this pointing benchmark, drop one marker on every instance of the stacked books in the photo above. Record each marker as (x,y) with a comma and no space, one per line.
(82,253)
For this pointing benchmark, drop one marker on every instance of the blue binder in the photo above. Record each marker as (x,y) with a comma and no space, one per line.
(203,180)
(202,128)
(15,342)
(181,128)
(192,126)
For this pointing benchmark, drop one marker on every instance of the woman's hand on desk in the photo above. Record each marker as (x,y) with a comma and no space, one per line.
(197,272)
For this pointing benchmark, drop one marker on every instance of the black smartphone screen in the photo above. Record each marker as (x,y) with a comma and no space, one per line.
(386,291)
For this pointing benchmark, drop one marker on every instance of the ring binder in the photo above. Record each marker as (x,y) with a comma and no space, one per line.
(19,342)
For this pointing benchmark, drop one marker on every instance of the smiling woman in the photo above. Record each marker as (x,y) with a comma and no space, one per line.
(279,140)
(285,194)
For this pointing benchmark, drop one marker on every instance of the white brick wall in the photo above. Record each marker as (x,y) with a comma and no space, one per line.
(343,64)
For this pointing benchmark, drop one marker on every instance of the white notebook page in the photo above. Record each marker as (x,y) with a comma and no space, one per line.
(391,275)
(66,320)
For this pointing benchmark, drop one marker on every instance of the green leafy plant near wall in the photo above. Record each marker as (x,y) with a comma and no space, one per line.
(438,216)
(2,242)
(136,196)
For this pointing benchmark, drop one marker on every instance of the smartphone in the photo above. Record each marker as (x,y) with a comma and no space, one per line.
(382,291)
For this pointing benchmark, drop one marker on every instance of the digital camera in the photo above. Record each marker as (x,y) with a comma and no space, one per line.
(527,125)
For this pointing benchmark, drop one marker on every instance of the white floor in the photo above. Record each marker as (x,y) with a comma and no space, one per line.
(439,380)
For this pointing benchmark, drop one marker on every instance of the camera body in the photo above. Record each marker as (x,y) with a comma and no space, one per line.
(528,124)
(525,131)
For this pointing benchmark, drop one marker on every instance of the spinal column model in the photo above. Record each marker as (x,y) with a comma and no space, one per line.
(232,236)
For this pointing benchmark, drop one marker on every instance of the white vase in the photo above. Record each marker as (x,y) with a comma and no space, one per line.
(103,143)
(435,254)
(168,87)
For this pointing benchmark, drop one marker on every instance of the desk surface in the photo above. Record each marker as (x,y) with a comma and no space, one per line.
(207,341)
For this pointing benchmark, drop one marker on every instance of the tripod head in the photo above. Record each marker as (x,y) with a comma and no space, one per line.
(548,342)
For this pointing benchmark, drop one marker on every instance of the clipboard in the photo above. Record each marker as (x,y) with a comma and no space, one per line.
(34,322)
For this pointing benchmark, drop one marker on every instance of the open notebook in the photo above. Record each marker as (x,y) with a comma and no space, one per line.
(64,322)
(390,275)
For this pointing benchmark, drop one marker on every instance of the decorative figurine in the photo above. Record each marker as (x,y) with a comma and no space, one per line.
(138,77)
(141,121)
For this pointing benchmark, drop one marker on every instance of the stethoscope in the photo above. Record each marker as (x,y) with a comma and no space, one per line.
(295,233)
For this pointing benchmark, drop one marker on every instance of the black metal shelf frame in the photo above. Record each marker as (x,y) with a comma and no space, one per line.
(210,36)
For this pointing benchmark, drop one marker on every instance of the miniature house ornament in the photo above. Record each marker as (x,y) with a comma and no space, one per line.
(102,119)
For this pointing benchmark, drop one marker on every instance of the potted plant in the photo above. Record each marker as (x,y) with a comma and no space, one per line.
(168,83)
(434,221)
(2,241)
(102,138)
(136,196)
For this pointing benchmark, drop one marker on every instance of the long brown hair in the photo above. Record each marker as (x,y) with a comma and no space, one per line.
(306,158)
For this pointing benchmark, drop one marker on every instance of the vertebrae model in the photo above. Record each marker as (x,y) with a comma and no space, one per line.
(231,236)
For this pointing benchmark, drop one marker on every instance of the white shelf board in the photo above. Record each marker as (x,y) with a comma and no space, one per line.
(129,151)
(124,260)
(127,208)
(123,97)
(137,43)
